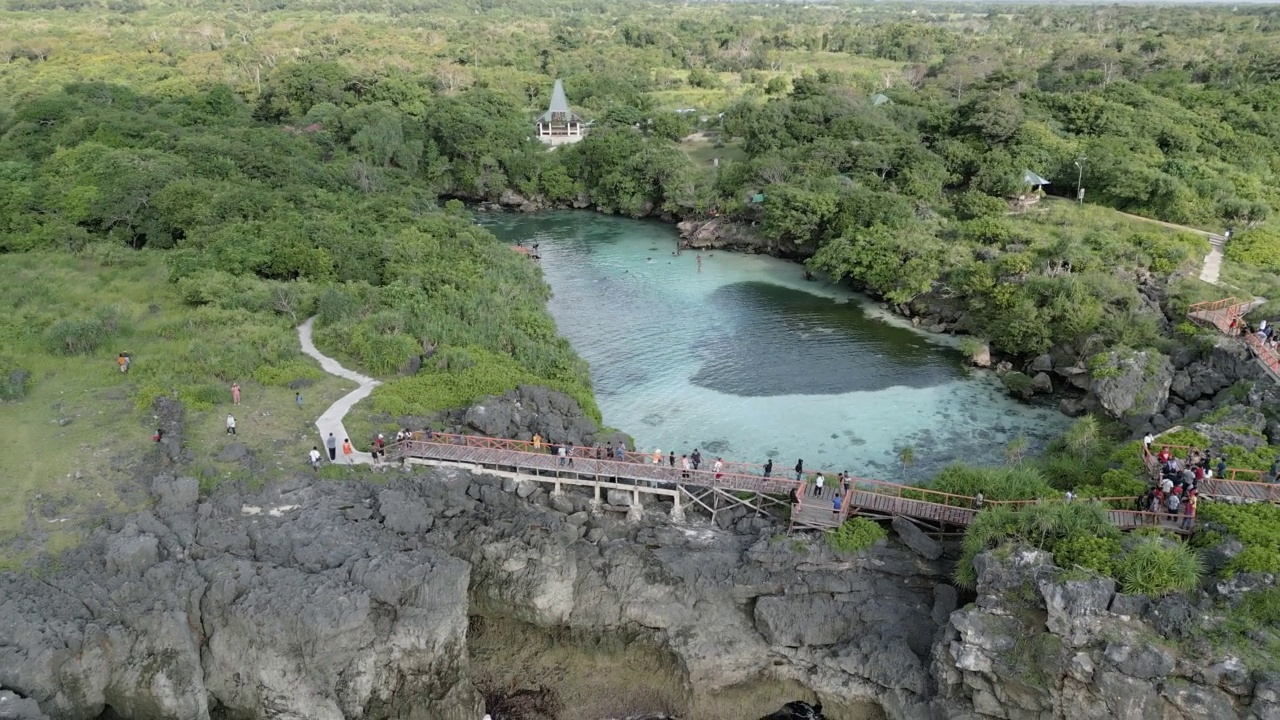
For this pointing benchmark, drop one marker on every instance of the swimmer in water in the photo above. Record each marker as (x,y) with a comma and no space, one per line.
(699,263)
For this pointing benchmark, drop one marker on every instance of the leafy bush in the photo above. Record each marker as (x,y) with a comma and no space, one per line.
(1044,525)
(85,335)
(1155,566)
(1087,551)
(1256,526)
(14,382)
(1259,247)
(442,386)
(281,375)
(855,535)
(995,483)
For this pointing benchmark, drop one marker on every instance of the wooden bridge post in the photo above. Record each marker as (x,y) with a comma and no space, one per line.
(677,510)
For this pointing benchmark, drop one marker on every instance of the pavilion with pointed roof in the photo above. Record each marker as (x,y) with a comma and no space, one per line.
(559,125)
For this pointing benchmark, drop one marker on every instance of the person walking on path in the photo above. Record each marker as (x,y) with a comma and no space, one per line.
(297,397)
(835,507)
(315,458)
(373,451)
(563,455)
(1189,511)
(768,467)
(817,485)
(799,469)
(123,361)
(231,424)
(718,467)
(235,393)
(347,450)
(331,443)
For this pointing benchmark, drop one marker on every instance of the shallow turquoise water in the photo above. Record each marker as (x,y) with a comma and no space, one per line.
(748,360)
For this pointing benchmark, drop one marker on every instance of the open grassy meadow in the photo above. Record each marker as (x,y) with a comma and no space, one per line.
(81,428)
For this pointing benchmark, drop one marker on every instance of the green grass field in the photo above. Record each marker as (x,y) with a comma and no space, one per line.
(79,432)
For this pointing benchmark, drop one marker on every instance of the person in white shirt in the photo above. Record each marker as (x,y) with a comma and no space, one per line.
(1147,440)
(718,467)
(1166,485)
(817,485)
(315,458)
(231,425)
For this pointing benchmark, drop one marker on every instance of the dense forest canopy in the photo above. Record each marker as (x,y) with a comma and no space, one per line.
(294,141)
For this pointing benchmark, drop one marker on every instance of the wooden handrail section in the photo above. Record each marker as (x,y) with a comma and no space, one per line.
(864,496)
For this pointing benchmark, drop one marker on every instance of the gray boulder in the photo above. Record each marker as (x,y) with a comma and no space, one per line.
(913,537)
(1041,383)
(16,707)
(1130,386)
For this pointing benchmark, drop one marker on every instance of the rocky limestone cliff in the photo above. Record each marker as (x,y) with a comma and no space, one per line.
(1130,386)
(720,232)
(334,600)
(295,603)
(1037,644)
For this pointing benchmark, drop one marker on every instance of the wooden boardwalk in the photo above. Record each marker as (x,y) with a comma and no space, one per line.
(735,485)
(1220,314)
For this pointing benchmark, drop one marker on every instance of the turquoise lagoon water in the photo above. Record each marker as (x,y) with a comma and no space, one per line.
(748,360)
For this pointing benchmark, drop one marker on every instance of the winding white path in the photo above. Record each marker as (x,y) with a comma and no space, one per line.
(1213,261)
(331,420)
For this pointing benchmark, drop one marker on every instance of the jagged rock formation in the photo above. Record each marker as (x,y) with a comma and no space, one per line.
(719,232)
(1130,386)
(1037,645)
(297,604)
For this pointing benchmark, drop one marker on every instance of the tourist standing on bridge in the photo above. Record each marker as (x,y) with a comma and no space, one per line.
(620,452)
(567,449)
(537,441)
(657,456)
(768,467)
(817,484)
(1147,440)
(835,507)
(696,457)
(718,467)
(1189,511)
(799,469)
(684,465)
(562,455)
(671,459)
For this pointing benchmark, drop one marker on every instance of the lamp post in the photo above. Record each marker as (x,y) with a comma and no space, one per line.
(1079,178)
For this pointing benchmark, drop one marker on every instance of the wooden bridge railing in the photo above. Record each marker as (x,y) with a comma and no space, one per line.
(493,451)
(863,494)
(1264,353)
(1248,490)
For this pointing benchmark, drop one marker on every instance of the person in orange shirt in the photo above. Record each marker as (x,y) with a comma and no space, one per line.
(347,450)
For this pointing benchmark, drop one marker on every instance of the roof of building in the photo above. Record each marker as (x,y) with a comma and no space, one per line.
(1030,178)
(559,104)
(879,99)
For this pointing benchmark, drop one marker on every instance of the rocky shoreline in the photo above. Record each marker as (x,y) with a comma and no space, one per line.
(315,599)
(1147,391)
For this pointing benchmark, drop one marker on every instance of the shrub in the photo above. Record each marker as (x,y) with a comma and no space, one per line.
(14,382)
(995,483)
(1155,566)
(1046,526)
(855,535)
(457,384)
(281,375)
(1019,383)
(1255,559)
(1259,247)
(1087,551)
(85,335)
